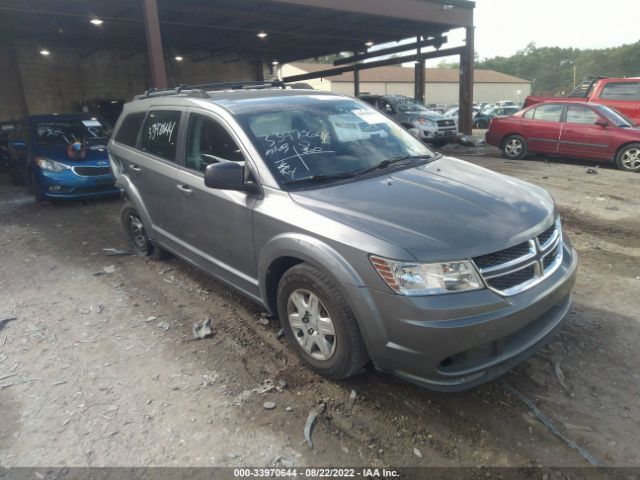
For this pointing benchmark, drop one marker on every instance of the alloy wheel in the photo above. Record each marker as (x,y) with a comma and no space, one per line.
(513,147)
(311,324)
(631,159)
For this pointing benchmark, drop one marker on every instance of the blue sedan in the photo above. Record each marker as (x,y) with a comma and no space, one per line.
(63,157)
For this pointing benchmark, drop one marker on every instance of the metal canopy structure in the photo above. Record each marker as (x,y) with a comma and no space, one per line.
(295,29)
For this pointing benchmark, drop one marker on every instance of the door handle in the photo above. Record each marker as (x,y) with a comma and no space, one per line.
(185,189)
(135,168)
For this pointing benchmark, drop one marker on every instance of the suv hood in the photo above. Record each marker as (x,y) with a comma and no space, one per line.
(445,210)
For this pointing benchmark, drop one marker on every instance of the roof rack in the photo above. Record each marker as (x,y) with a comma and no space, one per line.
(584,89)
(202,90)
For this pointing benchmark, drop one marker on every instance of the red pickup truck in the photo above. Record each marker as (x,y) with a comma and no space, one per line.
(623,94)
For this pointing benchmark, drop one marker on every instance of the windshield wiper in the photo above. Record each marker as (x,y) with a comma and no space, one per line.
(320,178)
(392,161)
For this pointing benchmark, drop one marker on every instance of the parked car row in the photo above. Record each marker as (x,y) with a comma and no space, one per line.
(61,157)
(569,129)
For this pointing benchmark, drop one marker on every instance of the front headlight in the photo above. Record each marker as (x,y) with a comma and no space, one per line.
(415,279)
(426,122)
(51,165)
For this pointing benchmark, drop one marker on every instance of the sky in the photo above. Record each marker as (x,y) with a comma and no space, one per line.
(505,26)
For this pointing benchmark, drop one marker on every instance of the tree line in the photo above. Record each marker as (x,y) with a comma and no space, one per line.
(552,70)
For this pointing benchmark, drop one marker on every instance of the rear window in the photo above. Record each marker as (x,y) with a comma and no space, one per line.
(548,113)
(621,91)
(128,132)
(160,133)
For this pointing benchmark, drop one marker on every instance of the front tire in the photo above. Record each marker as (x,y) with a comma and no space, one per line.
(35,188)
(628,158)
(515,147)
(137,236)
(319,324)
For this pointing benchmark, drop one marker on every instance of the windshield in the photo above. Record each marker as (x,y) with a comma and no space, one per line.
(65,132)
(406,104)
(615,117)
(306,137)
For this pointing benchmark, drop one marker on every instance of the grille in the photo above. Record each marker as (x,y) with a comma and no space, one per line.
(91,171)
(522,266)
(505,282)
(548,260)
(446,123)
(503,256)
(546,235)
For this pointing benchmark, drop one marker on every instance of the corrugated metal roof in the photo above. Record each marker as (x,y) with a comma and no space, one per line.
(398,74)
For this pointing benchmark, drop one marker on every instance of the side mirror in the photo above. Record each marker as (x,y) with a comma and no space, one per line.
(414,131)
(602,123)
(228,176)
(18,145)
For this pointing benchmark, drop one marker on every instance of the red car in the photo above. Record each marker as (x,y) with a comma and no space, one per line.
(569,129)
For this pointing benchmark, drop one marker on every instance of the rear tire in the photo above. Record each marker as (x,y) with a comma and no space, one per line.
(515,147)
(137,237)
(628,158)
(319,324)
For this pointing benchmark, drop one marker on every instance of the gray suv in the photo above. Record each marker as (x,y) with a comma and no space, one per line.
(432,127)
(368,246)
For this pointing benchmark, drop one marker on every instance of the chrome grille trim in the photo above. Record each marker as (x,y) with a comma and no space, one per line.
(538,252)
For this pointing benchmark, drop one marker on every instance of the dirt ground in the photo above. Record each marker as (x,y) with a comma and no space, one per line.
(100,368)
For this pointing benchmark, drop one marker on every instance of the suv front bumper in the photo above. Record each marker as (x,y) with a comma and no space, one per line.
(457,341)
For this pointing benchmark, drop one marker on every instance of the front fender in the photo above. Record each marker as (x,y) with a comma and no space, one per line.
(308,249)
(324,257)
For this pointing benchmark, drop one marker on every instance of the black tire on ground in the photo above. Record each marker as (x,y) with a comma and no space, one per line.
(628,158)
(137,236)
(482,124)
(33,188)
(349,354)
(515,147)
(439,143)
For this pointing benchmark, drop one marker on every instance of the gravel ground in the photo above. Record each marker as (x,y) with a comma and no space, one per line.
(100,368)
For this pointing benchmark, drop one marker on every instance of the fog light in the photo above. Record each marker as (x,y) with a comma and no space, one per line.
(55,188)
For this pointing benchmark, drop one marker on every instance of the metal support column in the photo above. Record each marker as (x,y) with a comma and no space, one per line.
(466,84)
(419,74)
(154,44)
(356,82)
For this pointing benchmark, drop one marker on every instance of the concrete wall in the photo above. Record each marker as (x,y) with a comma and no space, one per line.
(60,81)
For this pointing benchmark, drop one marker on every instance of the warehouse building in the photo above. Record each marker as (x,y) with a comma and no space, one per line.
(441,84)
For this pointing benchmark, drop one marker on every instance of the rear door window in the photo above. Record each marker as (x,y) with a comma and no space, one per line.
(548,113)
(621,91)
(129,129)
(160,133)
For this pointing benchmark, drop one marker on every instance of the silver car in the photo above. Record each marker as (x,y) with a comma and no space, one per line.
(432,127)
(367,245)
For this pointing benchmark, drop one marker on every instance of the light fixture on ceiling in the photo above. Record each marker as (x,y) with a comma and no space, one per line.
(178,58)
(45,52)
(448,7)
(369,44)
(275,63)
(96,21)
(263,35)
